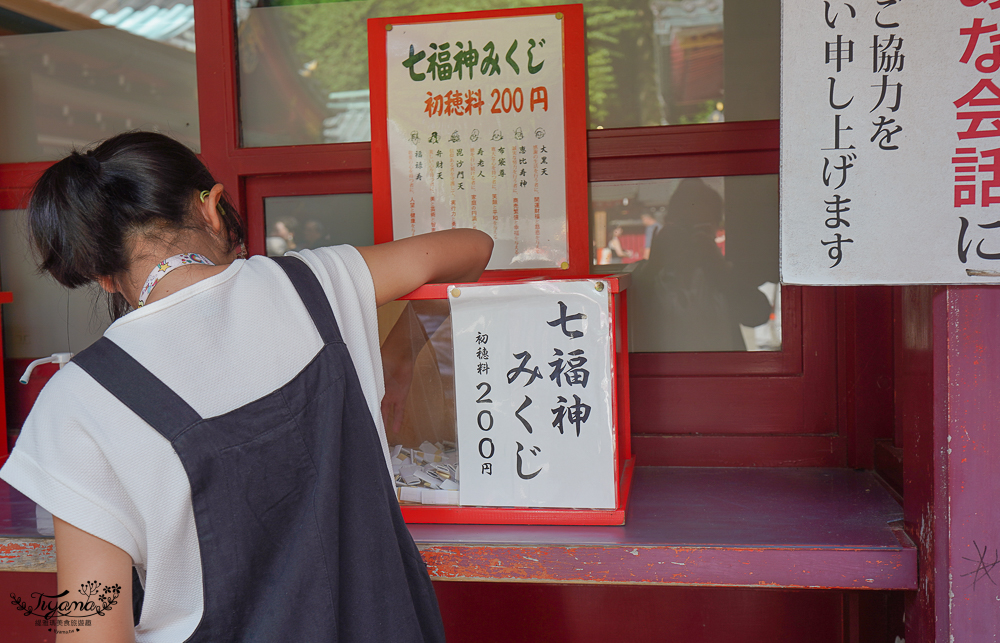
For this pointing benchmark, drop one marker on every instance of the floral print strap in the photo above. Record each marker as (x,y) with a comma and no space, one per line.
(165,266)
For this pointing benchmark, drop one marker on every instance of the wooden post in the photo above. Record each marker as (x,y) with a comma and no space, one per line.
(948,400)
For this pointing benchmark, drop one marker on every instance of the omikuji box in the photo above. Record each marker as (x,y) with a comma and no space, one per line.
(507,400)
(517,407)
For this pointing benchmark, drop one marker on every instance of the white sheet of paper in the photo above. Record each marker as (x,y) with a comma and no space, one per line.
(533,390)
(480,149)
(875,149)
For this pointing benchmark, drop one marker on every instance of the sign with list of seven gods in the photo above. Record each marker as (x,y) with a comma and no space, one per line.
(533,394)
(475,132)
(890,139)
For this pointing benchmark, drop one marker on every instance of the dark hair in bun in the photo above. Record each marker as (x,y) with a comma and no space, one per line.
(84,209)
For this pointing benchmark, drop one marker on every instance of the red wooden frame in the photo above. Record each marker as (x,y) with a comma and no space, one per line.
(680,151)
(259,188)
(575,122)
(745,409)
(5,298)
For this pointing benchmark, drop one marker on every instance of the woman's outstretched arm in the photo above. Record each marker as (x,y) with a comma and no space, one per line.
(399,267)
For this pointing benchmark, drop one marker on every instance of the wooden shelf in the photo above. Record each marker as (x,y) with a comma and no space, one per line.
(794,528)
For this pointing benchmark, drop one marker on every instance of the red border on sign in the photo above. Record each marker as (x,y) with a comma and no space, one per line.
(620,413)
(575,122)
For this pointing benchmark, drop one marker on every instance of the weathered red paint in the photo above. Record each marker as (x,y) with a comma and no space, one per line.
(947,410)
(735,567)
(966,462)
(27,555)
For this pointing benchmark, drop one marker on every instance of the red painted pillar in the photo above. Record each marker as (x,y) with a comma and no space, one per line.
(5,298)
(948,401)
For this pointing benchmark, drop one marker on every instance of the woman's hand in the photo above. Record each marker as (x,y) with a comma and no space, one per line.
(399,267)
(82,562)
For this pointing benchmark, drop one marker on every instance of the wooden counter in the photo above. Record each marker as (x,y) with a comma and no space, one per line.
(790,528)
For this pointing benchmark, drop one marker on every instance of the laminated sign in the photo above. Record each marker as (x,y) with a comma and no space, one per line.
(533,391)
(474,132)
(890,139)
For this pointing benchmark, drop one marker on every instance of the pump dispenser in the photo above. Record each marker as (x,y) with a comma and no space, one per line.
(56,358)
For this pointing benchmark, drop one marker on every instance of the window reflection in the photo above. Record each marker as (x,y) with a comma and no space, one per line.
(688,45)
(73,72)
(702,253)
(304,66)
(307,222)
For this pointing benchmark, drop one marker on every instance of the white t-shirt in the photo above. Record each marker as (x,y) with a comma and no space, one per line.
(219,344)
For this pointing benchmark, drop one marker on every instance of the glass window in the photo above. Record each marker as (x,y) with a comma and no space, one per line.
(303,68)
(298,222)
(74,72)
(45,317)
(703,257)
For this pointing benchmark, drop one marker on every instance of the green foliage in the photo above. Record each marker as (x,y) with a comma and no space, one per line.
(621,85)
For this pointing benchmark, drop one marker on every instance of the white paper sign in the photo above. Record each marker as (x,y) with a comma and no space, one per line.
(476,134)
(889,142)
(533,390)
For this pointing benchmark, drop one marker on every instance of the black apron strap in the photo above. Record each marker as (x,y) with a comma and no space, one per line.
(313,296)
(137,388)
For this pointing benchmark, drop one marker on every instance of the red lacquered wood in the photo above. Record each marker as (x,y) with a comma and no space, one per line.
(549,613)
(917,415)
(722,405)
(703,138)
(218,93)
(381,183)
(966,467)
(739,450)
(575,106)
(864,370)
(622,381)
(679,151)
(683,166)
(291,159)
(952,469)
(5,298)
